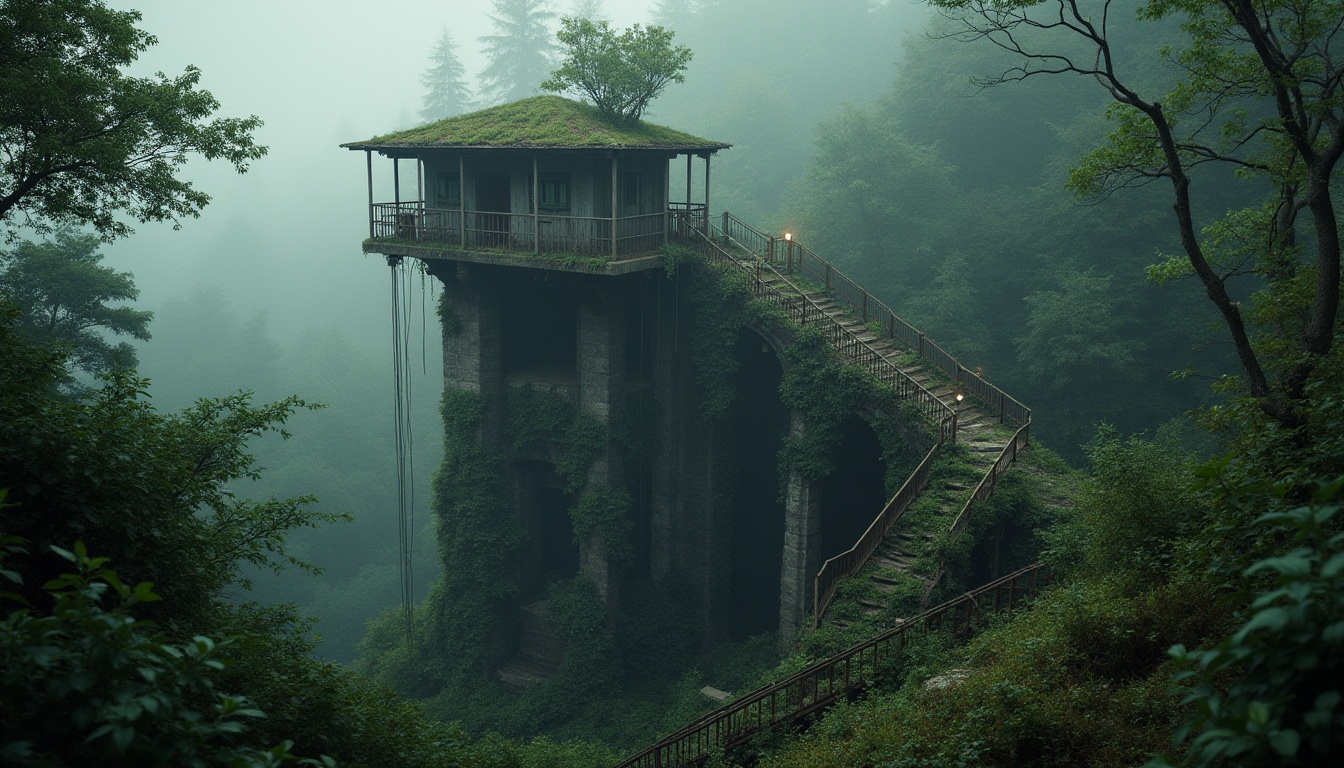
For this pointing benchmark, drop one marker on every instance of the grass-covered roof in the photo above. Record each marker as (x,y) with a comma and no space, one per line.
(548,122)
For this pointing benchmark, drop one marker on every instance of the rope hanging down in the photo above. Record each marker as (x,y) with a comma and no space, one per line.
(404,440)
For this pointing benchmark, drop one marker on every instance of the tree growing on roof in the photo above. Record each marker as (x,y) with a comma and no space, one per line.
(620,73)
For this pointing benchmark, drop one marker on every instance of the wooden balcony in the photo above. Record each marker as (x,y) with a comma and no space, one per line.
(411,223)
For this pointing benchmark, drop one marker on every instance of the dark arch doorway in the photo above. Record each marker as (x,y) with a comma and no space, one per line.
(853,494)
(550,552)
(758,422)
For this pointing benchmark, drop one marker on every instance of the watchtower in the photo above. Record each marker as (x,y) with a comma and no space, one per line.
(545,225)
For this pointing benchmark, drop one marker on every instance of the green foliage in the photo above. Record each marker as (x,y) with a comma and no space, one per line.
(63,295)
(478,541)
(1134,510)
(83,142)
(543,121)
(152,490)
(1074,336)
(1077,681)
(535,418)
(605,512)
(720,307)
(620,73)
(590,667)
(324,707)
(826,392)
(1269,693)
(89,685)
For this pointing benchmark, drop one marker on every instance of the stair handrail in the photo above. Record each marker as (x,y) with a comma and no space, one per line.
(970,382)
(825,681)
(866,305)
(803,309)
(849,562)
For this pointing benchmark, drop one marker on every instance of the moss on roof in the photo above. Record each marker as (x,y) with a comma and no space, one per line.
(540,121)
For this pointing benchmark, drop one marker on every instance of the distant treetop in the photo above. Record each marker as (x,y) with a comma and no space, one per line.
(520,53)
(445,84)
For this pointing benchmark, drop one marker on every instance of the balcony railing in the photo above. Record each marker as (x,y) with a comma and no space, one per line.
(542,233)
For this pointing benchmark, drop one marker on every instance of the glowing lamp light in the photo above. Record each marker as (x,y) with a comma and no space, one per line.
(959,397)
(788,236)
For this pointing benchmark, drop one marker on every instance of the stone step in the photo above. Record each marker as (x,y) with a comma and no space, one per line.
(540,652)
(520,675)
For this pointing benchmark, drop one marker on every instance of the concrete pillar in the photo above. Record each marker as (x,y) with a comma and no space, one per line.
(472,338)
(601,379)
(802,546)
(691,521)
(601,354)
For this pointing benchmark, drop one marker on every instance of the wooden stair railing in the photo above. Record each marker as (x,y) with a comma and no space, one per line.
(771,253)
(827,681)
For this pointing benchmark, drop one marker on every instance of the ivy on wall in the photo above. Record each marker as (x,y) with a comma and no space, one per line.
(533,419)
(827,393)
(478,538)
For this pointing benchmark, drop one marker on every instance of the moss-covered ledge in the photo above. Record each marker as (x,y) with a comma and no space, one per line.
(555,262)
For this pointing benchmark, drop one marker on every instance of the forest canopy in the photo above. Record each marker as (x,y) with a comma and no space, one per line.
(82,141)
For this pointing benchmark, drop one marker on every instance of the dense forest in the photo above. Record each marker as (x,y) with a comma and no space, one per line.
(198,528)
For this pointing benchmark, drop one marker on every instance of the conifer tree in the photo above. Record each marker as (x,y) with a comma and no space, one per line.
(592,10)
(671,13)
(521,53)
(445,84)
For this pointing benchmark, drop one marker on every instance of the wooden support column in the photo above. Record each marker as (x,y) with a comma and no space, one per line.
(420,182)
(462,198)
(536,208)
(615,166)
(688,180)
(396,198)
(667,201)
(368,160)
(707,189)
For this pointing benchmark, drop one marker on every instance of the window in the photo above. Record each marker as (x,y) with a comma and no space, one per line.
(447,191)
(630,190)
(553,192)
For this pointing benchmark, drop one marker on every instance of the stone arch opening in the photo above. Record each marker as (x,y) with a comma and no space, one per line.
(550,552)
(757,424)
(855,492)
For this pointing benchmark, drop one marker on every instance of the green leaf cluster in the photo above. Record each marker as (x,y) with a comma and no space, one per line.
(67,299)
(84,143)
(620,73)
(1269,693)
(88,684)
